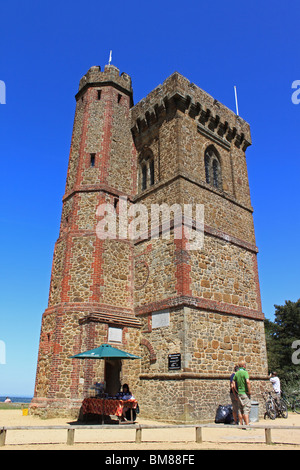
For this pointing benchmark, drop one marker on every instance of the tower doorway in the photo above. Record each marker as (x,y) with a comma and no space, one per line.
(112,374)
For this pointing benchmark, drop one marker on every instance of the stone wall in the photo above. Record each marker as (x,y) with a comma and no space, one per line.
(63,382)
(155,276)
(224,272)
(210,345)
(186,399)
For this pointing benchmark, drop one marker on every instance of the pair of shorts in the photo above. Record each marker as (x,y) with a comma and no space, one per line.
(244,404)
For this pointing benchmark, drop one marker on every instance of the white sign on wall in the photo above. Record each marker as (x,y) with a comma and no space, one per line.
(115,334)
(160,319)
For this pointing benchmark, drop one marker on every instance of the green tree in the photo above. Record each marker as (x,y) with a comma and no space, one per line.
(280,336)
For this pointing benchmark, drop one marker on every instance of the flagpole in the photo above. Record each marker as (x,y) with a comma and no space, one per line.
(236,101)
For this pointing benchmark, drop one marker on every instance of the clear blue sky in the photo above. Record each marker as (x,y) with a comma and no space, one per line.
(46,47)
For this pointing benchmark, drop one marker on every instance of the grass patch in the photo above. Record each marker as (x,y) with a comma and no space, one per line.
(13,406)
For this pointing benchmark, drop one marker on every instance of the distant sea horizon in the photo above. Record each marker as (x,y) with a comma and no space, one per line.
(16,399)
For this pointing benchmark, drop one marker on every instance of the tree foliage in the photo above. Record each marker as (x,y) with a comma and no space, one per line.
(280,336)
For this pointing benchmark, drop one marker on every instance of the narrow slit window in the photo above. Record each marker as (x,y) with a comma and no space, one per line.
(93,158)
(207,168)
(146,170)
(119,98)
(99,95)
(144,177)
(215,174)
(151,172)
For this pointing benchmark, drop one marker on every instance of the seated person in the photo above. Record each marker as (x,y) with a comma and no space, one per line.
(127,395)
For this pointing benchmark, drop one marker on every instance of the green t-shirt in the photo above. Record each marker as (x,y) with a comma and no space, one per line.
(240,378)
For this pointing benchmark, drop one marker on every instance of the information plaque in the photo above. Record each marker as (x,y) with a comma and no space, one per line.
(174,361)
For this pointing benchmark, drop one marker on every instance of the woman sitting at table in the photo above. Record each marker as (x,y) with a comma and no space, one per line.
(126,395)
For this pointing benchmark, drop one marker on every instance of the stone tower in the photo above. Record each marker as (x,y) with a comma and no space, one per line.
(189,314)
(91,281)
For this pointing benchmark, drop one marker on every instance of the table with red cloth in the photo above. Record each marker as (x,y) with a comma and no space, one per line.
(106,406)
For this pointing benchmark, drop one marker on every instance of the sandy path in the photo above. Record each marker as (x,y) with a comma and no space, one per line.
(121,438)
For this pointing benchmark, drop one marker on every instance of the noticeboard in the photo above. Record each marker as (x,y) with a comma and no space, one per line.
(174,361)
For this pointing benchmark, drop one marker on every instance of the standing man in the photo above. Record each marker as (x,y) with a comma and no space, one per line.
(275,381)
(242,386)
(234,397)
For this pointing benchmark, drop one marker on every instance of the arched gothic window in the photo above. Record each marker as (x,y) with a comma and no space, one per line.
(146,170)
(213,167)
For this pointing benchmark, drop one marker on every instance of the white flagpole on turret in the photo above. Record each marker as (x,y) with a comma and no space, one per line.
(236,101)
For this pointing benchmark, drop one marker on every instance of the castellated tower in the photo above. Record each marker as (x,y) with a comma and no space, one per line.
(190,314)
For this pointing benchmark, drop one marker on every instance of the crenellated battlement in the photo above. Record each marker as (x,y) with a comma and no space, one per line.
(177,92)
(110,75)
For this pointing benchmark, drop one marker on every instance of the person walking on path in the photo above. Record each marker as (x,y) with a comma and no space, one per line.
(243,389)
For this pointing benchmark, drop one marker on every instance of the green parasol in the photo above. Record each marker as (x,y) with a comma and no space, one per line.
(105,351)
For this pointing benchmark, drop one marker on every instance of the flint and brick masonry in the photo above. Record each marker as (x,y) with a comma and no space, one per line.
(153,297)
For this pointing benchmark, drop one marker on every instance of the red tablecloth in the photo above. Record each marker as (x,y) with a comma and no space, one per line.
(104,406)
